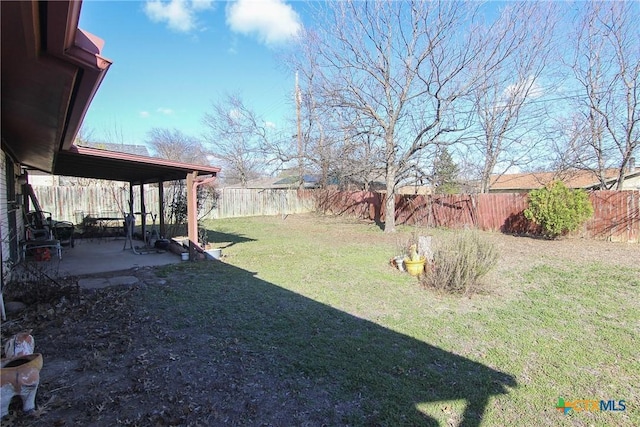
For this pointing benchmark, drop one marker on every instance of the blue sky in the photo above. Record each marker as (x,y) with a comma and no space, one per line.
(172,59)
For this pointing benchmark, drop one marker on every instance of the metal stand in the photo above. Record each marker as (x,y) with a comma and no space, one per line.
(129,224)
(153,234)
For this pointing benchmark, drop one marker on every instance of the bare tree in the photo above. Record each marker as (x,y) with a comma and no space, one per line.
(315,134)
(506,102)
(331,144)
(343,154)
(173,144)
(580,146)
(396,69)
(606,66)
(238,136)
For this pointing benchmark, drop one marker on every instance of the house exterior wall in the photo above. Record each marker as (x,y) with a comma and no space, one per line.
(632,183)
(11,218)
(4,212)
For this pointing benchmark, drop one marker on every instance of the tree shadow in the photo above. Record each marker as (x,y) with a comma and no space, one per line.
(361,204)
(619,215)
(321,365)
(224,240)
(518,225)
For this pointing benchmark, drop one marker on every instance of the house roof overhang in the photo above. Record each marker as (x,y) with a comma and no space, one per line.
(50,71)
(104,164)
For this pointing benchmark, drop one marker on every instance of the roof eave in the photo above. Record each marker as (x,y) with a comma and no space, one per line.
(51,71)
(84,50)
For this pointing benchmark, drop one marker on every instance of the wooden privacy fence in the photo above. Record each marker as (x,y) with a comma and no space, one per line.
(67,203)
(616,213)
(237,202)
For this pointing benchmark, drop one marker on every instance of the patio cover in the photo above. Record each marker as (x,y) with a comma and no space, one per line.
(88,162)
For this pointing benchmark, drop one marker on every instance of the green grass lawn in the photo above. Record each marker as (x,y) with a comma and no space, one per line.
(314,306)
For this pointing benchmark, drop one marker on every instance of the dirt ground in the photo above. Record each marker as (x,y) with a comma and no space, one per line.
(111,363)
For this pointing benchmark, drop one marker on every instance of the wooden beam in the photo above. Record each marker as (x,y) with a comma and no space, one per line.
(143,213)
(161,209)
(192,214)
(193,181)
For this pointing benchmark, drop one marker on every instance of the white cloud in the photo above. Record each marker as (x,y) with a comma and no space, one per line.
(180,15)
(273,21)
(165,111)
(198,5)
(269,124)
(144,114)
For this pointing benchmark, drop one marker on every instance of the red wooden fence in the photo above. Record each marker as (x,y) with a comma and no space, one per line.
(616,213)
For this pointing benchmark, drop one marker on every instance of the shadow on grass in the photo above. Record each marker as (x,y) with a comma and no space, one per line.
(225,240)
(319,365)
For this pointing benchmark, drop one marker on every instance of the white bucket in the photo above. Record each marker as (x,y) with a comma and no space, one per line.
(185,256)
(213,253)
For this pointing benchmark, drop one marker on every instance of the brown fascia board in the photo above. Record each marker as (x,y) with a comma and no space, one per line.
(160,162)
(94,69)
(81,49)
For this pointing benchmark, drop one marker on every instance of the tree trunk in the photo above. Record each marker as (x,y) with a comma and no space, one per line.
(621,176)
(390,203)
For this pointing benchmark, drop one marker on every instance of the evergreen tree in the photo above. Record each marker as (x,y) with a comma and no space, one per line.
(444,174)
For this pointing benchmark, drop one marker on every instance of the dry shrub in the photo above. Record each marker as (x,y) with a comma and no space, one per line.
(39,283)
(459,263)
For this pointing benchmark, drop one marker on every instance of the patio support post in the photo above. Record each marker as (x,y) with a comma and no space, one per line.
(161,208)
(192,214)
(143,213)
(192,210)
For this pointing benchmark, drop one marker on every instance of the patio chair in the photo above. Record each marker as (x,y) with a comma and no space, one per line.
(39,234)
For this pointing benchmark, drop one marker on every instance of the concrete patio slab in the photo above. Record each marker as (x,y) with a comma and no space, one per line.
(123,280)
(103,282)
(95,256)
(93,283)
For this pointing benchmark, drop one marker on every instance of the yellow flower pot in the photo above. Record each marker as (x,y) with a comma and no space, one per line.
(414,268)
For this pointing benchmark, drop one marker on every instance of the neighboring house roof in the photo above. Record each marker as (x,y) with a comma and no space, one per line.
(140,150)
(414,190)
(572,179)
(254,183)
(310,181)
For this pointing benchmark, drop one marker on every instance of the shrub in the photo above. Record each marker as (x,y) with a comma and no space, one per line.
(558,209)
(460,263)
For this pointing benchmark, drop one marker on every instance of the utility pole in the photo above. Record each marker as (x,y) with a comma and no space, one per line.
(298,108)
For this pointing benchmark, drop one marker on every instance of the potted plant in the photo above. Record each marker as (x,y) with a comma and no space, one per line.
(413,262)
